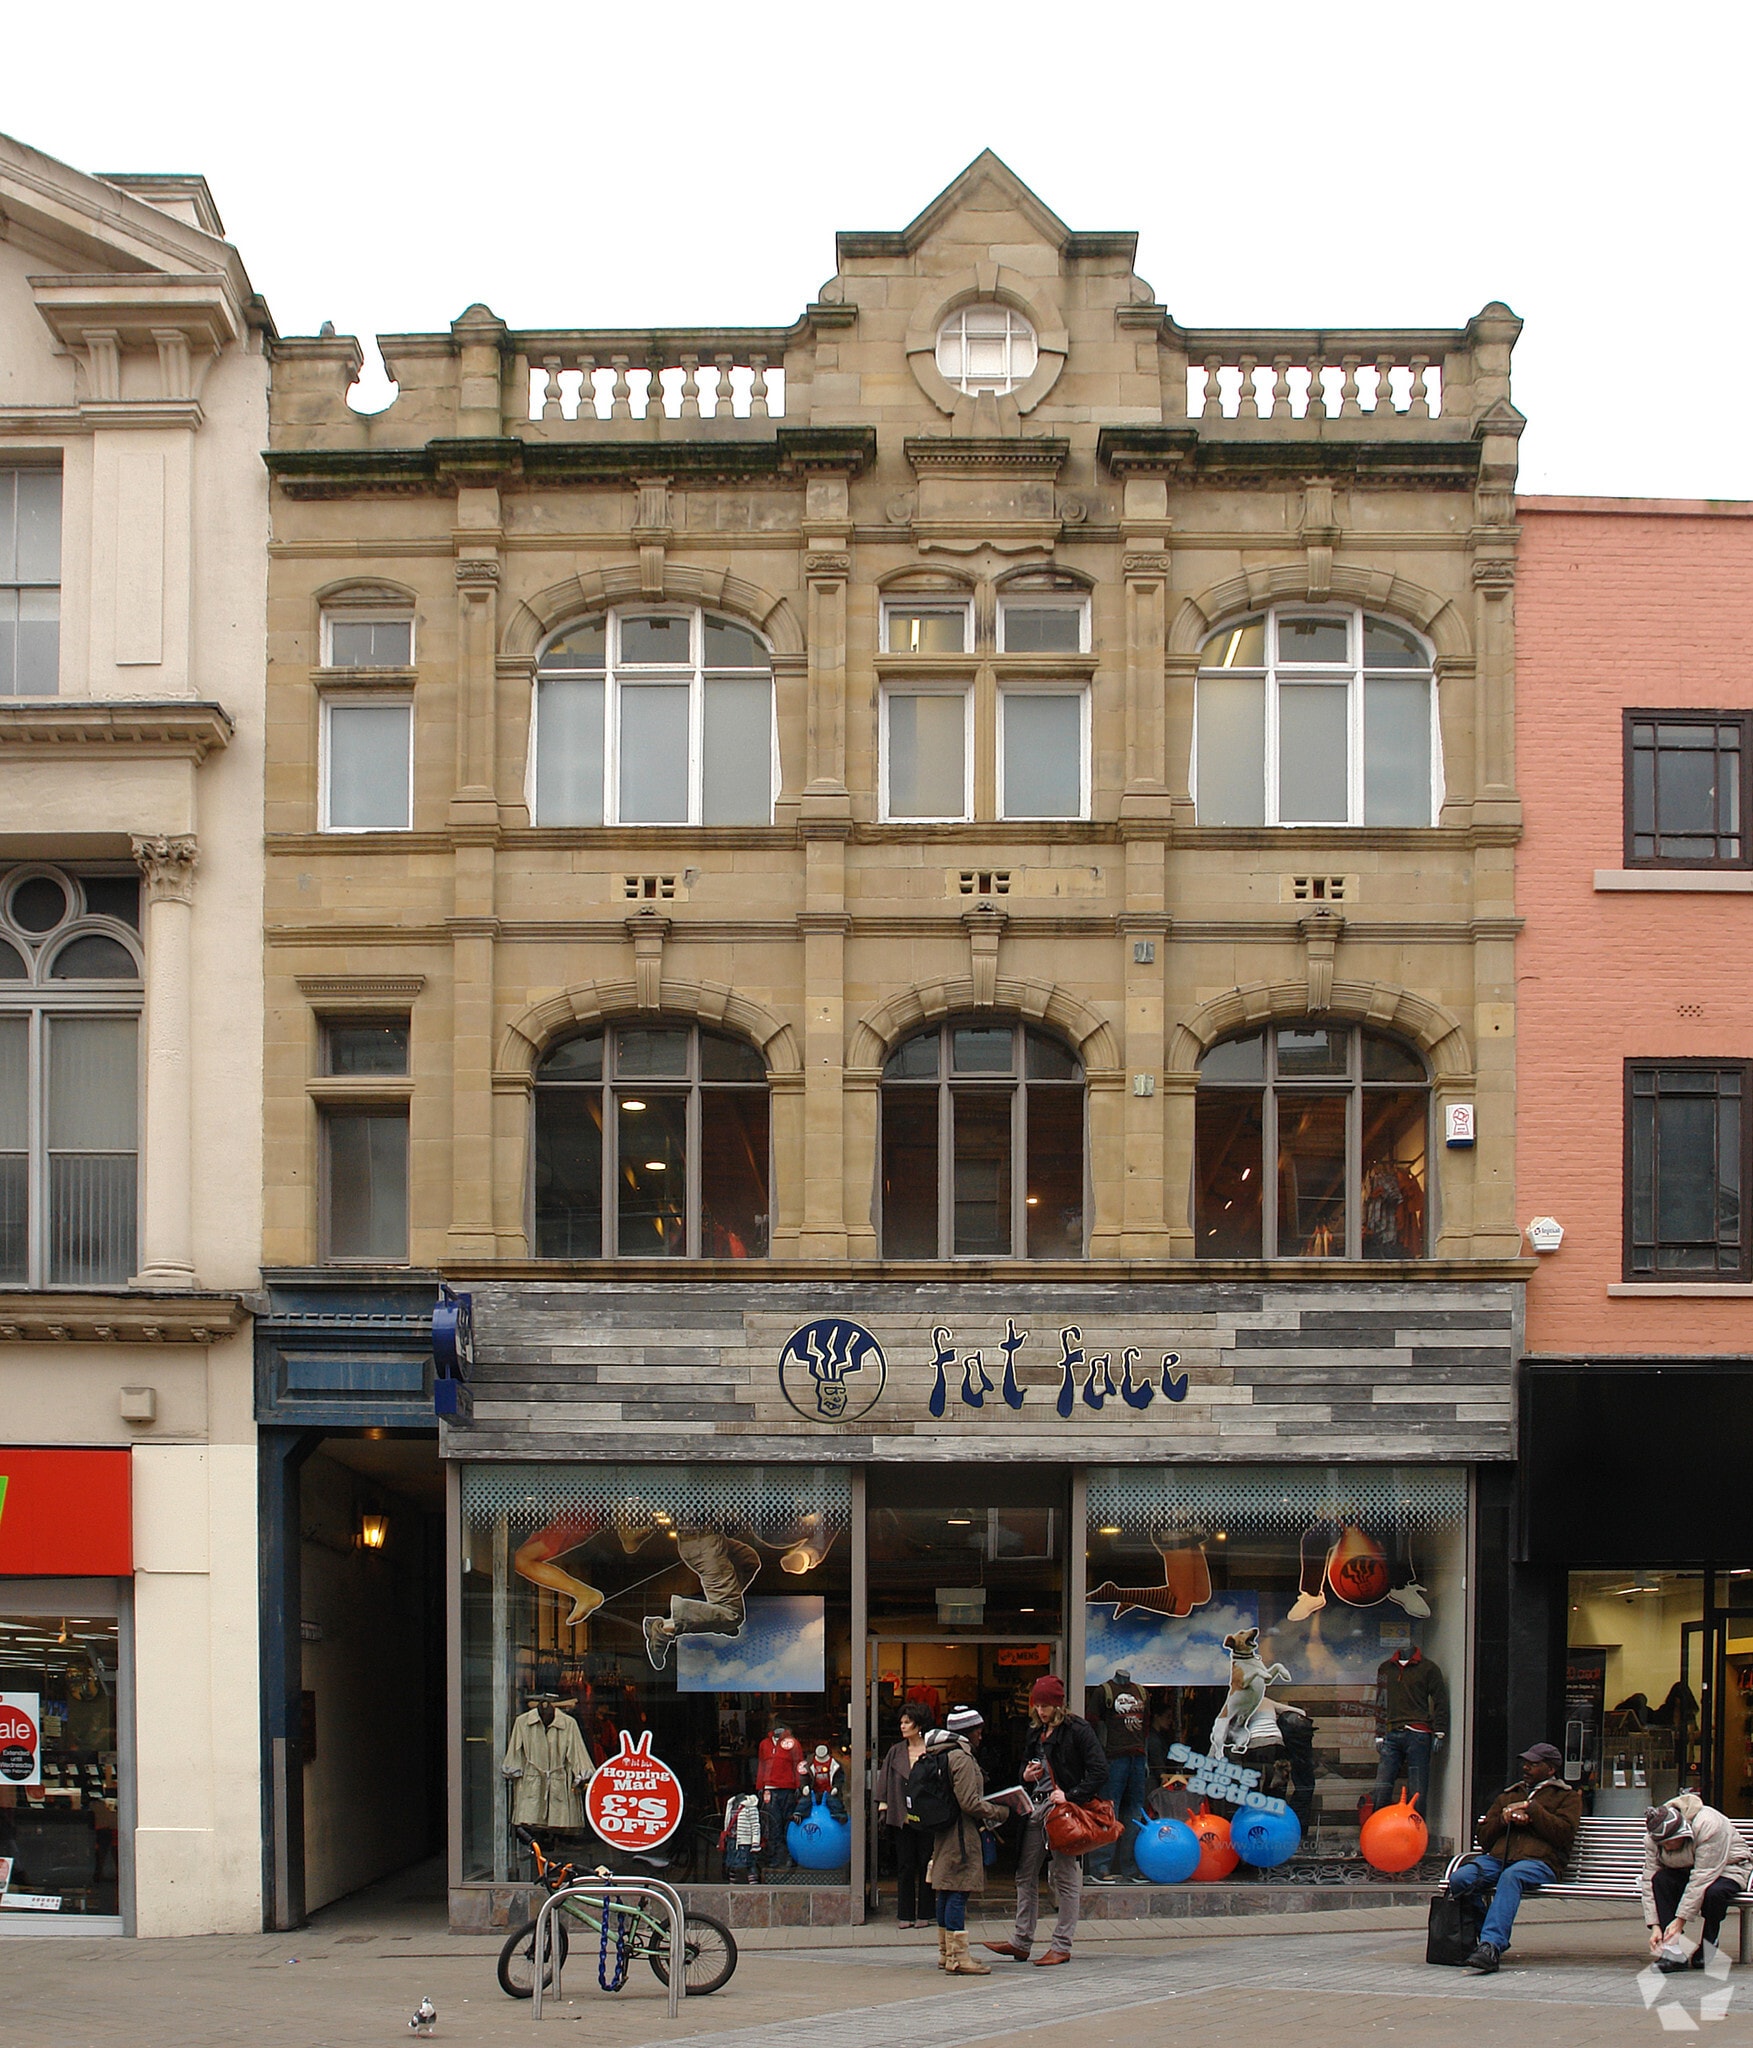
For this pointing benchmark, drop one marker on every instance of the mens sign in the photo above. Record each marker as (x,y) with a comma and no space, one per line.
(65,1514)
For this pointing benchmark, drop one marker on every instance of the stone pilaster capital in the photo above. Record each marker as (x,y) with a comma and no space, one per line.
(168,863)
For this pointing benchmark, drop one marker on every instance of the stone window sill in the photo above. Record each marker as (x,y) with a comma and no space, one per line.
(1674,881)
(1708,1290)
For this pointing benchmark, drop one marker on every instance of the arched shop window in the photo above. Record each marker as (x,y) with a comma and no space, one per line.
(70,1000)
(1312,1141)
(983,1145)
(652,1143)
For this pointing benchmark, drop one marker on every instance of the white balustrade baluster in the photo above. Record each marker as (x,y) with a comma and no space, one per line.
(1317,405)
(1249,406)
(1280,387)
(758,388)
(690,387)
(587,388)
(1348,405)
(722,405)
(551,406)
(1418,399)
(656,397)
(1384,385)
(621,403)
(1213,406)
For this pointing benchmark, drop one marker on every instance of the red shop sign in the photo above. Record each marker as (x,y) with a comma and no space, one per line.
(65,1514)
(634,1800)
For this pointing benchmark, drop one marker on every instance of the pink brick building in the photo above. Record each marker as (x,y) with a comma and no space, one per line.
(1634,1080)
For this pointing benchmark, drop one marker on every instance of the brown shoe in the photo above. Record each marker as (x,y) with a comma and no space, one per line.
(1006,1948)
(1053,1955)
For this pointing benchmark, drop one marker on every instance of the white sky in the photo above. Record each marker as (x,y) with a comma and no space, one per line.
(1295,165)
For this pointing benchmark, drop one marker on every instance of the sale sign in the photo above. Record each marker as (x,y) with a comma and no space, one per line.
(634,1800)
(21,1748)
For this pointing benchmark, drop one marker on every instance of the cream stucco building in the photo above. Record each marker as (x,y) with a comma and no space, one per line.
(133,518)
(860,886)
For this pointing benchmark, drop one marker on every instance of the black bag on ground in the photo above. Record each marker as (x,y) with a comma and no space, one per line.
(1453,1933)
(931,1798)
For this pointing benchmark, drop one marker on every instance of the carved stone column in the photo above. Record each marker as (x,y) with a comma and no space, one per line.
(167,1236)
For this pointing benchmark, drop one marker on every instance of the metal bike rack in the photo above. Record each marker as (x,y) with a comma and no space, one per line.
(614,1891)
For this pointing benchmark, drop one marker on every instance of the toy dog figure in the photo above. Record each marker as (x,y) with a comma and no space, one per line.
(1249,1678)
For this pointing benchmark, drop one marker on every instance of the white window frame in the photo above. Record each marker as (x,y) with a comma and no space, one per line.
(615,674)
(1046,600)
(1048,687)
(925,687)
(902,605)
(349,700)
(366,615)
(956,323)
(1348,675)
(41,999)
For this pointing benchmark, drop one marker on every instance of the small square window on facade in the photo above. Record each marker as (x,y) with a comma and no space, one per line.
(927,767)
(367,1045)
(923,628)
(368,639)
(30,582)
(1686,788)
(367,765)
(1686,1145)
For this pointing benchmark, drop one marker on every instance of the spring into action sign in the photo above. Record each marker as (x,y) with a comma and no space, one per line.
(634,1799)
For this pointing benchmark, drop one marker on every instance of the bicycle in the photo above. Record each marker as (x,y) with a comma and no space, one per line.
(625,1935)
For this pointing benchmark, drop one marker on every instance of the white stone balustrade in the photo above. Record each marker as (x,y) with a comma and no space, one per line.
(615,378)
(1297,377)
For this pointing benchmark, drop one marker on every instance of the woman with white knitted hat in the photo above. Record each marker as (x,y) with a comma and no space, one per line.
(958,1863)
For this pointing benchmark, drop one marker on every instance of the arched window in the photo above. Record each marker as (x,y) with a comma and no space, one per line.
(654,717)
(1312,1142)
(1316,718)
(652,1143)
(986,347)
(70,996)
(982,1145)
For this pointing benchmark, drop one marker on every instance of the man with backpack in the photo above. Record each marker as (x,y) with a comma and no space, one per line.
(946,1793)
(1063,1761)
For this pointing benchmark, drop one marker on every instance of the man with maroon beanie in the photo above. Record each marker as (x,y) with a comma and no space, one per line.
(1063,1761)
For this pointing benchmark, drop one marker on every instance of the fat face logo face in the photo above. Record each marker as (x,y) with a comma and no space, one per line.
(832,1370)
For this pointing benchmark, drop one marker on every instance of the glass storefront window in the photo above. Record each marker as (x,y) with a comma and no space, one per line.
(1351,1578)
(1633,1679)
(60,1766)
(704,1604)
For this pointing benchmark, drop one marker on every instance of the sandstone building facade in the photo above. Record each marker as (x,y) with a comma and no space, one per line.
(919,908)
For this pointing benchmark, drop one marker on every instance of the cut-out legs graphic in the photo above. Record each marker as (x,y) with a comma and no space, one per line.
(536,1558)
(725,1569)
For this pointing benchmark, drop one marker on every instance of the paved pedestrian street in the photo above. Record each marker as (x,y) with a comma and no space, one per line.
(340,1985)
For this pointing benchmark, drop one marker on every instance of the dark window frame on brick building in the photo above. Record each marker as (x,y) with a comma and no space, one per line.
(1657,759)
(1668,1234)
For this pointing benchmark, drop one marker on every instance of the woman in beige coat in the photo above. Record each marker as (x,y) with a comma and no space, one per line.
(958,1862)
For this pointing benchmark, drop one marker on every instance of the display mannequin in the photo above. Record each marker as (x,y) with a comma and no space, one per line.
(548,1761)
(1412,1723)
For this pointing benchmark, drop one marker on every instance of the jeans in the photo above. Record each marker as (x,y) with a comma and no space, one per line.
(1128,1783)
(1064,1876)
(1512,1880)
(1404,1750)
(1667,1885)
(778,1804)
(952,1911)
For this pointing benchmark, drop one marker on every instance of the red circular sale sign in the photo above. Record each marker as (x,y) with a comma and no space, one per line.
(634,1800)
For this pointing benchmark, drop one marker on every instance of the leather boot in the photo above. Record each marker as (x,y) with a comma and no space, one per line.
(960,1963)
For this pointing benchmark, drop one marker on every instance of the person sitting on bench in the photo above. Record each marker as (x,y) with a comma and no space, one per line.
(1526,1839)
(1694,1866)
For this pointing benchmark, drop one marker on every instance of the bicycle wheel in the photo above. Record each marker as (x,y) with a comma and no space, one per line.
(711,1956)
(517,1959)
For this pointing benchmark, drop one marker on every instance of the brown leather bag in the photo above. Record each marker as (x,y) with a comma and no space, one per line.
(1074,1830)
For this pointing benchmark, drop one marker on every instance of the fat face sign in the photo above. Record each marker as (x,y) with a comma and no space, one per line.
(834,1370)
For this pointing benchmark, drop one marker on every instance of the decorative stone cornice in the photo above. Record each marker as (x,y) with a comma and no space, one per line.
(168,863)
(371,990)
(827,567)
(984,454)
(141,1318)
(182,730)
(477,572)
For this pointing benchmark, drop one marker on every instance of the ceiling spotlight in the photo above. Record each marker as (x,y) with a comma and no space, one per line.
(961,1518)
(657,1166)
(627,1102)
(1109,1529)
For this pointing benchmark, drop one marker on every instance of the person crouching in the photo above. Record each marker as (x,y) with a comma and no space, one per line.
(1695,1866)
(958,1863)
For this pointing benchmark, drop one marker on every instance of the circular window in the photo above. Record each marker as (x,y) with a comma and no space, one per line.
(986,348)
(39,904)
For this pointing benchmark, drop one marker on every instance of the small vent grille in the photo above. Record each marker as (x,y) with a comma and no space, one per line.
(1318,888)
(649,888)
(985,881)
(1689,1009)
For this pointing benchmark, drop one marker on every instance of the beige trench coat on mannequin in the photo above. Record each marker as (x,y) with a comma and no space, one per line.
(549,1766)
